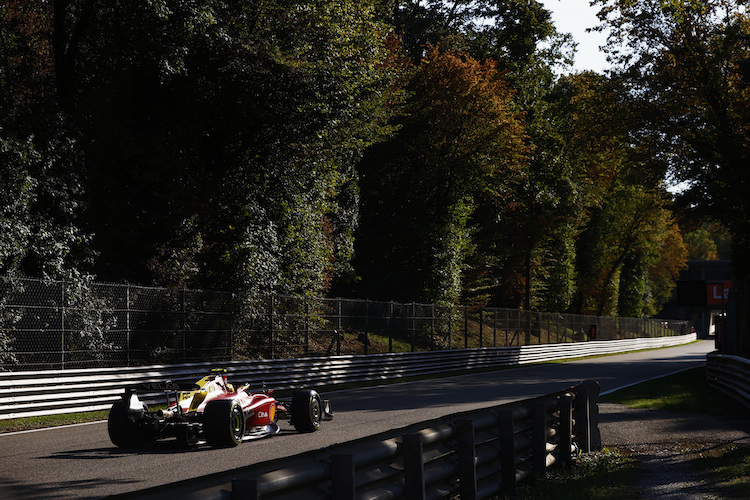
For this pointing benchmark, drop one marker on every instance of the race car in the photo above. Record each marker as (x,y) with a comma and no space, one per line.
(211,411)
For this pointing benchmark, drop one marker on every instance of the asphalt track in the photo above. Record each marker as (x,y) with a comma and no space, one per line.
(80,461)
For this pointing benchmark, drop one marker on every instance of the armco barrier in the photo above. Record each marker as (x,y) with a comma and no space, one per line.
(478,454)
(52,392)
(730,375)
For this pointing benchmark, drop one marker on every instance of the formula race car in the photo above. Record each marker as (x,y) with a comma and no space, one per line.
(211,410)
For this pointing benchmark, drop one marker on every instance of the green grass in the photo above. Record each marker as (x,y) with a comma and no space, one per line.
(611,474)
(685,392)
(606,474)
(728,468)
(29,423)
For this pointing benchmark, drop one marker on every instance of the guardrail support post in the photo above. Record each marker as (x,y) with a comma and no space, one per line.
(539,439)
(342,477)
(582,419)
(587,416)
(507,453)
(245,489)
(414,466)
(566,429)
(467,472)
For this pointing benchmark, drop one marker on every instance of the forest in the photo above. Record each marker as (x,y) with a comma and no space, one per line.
(427,151)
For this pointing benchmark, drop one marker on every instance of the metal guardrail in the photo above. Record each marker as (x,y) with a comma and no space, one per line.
(52,392)
(477,454)
(730,375)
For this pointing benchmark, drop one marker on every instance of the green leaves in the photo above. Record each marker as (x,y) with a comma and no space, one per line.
(459,141)
(292,146)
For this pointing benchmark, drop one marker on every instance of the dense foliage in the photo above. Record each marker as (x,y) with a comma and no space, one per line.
(390,149)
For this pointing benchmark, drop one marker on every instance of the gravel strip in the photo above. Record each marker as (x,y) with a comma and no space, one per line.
(664,443)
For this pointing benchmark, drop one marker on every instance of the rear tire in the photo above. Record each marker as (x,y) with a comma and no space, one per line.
(307,410)
(223,423)
(124,432)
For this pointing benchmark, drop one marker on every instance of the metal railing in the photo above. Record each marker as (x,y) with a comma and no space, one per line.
(49,392)
(729,374)
(61,325)
(477,454)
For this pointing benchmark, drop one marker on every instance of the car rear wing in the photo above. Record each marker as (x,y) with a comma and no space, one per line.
(153,388)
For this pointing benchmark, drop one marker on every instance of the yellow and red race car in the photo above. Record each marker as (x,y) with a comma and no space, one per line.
(212,410)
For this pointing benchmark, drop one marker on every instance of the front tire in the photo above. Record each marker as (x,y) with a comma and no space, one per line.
(223,423)
(307,410)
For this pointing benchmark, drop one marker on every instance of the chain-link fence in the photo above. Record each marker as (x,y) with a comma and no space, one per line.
(56,325)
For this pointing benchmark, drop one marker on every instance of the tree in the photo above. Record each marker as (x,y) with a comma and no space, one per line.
(458,141)
(686,63)
(214,141)
(701,246)
(627,251)
(662,274)
(41,186)
(622,240)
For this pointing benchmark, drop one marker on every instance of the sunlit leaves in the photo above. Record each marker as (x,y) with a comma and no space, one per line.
(459,141)
(689,76)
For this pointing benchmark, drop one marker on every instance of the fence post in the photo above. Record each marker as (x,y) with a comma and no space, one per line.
(481,326)
(307,327)
(390,326)
(549,327)
(245,489)
(413,335)
(62,323)
(450,326)
(466,327)
(127,322)
(507,453)
(342,477)
(271,339)
(339,314)
(507,327)
(338,332)
(494,328)
(529,322)
(539,324)
(467,472)
(432,326)
(539,438)
(184,324)
(232,320)
(413,466)
(367,320)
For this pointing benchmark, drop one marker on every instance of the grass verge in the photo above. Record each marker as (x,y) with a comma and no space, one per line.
(606,474)
(612,473)
(726,467)
(684,392)
(30,423)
